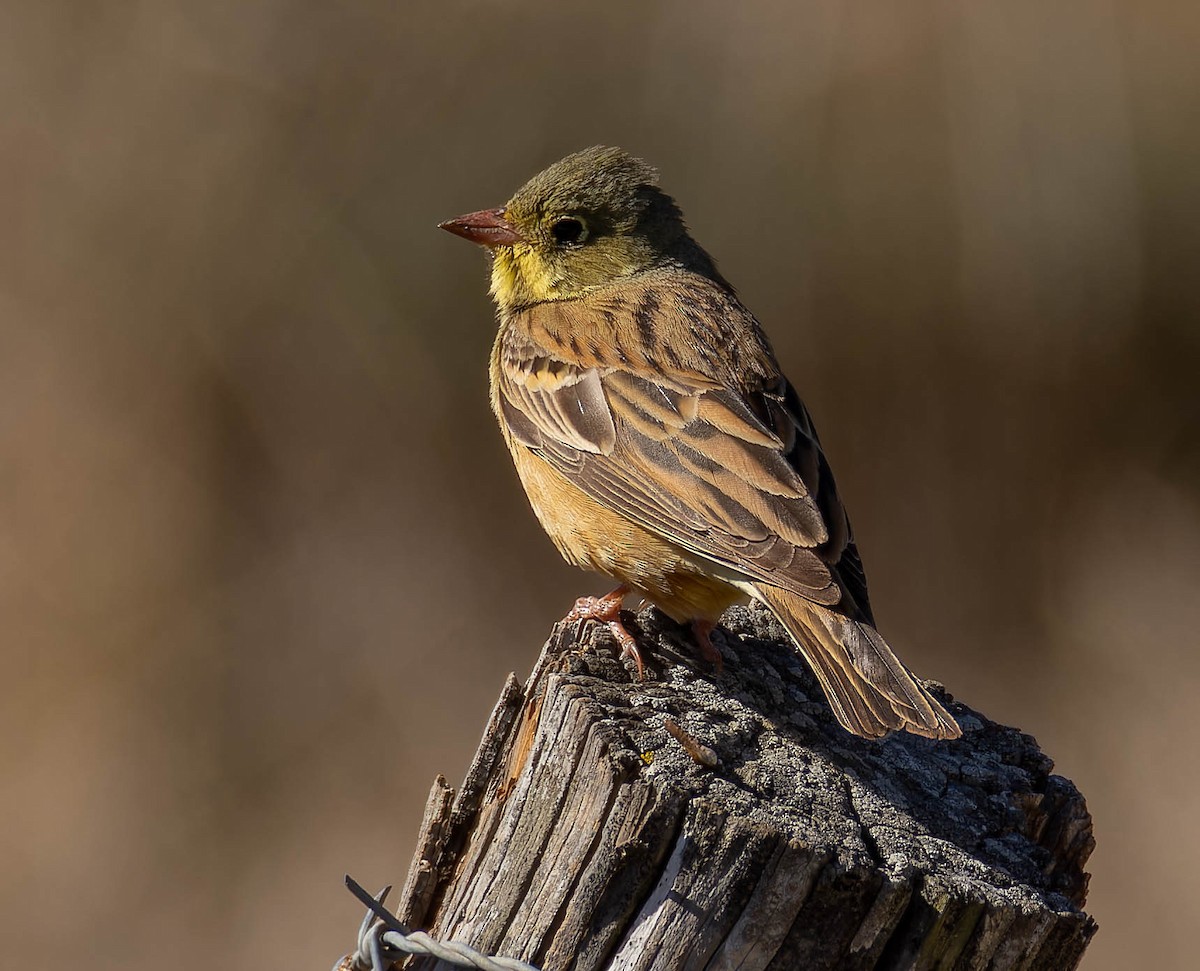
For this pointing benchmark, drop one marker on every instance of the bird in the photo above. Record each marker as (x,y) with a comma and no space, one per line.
(658,440)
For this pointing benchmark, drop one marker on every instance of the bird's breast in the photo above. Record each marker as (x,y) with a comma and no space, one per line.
(593,537)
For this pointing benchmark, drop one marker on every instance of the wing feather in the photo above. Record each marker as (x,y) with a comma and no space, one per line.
(732,473)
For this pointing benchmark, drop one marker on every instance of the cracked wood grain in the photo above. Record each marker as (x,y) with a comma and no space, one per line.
(589,836)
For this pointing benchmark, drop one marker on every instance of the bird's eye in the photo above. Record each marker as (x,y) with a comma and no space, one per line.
(569,231)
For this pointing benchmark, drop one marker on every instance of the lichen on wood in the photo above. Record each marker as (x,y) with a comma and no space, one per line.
(704,820)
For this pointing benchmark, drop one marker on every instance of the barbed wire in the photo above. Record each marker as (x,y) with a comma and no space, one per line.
(383,941)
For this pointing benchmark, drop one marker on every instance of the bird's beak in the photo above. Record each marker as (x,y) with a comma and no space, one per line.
(487,227)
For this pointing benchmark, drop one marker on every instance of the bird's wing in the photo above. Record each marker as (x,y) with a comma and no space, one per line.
(734,475)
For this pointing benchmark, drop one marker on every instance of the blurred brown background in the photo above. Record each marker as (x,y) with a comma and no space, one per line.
(258,534)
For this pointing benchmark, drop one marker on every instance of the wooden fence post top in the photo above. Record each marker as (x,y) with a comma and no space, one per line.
(724,820)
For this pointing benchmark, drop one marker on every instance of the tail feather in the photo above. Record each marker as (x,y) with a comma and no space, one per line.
(868,687)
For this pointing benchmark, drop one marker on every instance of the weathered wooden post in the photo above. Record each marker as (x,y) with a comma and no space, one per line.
(718,821)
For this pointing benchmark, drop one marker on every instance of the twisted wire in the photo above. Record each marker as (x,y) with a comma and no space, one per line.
(383,941)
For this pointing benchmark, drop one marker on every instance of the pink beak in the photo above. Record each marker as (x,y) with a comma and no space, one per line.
(488,227)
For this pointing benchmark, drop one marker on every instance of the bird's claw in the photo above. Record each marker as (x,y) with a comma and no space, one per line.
(607,610)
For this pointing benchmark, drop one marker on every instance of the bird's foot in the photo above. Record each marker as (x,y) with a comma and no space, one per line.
(607,610)
(702,631)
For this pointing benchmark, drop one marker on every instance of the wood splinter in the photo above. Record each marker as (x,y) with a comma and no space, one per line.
(700,754)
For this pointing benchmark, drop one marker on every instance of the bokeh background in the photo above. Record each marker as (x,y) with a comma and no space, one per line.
(263,562)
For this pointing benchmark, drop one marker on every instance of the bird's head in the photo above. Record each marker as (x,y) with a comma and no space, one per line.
(589,220)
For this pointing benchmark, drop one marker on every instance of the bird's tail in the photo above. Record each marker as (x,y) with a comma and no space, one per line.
(870,690)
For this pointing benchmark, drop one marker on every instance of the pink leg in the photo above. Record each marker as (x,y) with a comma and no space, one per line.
(607,610)
(702,631)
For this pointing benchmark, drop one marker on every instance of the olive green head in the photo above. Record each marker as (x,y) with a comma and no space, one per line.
(587,221)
